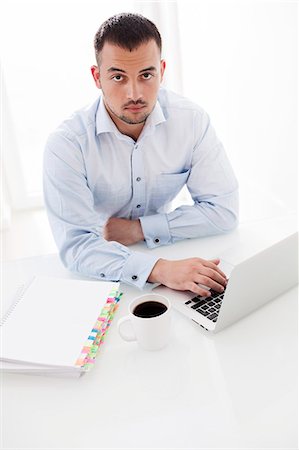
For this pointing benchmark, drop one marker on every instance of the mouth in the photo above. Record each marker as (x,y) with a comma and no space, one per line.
(134,108)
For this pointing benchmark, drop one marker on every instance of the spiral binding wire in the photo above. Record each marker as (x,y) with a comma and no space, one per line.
(16,300)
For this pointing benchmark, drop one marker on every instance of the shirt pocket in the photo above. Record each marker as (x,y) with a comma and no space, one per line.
(167,186)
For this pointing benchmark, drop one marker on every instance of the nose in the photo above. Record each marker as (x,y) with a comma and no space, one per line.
(134,91)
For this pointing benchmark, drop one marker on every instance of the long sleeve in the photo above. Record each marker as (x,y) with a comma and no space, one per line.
(75,223)
(93,172)
(214,190)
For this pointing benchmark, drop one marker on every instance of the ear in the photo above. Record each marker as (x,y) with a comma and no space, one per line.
(96,76)
(162,68)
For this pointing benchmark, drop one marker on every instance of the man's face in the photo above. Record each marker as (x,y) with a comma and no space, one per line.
(129,81)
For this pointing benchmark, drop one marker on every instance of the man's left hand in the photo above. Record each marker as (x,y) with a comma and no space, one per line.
(124,231)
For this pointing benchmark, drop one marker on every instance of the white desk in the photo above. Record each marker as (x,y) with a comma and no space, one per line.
(237,389)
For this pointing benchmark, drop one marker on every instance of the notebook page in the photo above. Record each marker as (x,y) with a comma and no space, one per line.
(29,369)
(52,321)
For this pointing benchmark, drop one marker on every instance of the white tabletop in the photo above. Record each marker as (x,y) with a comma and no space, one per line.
(237,389)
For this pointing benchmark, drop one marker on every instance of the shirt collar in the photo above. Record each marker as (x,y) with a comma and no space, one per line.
(104,123)
(156,116)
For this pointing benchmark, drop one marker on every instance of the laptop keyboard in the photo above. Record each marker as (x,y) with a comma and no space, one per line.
(207,306)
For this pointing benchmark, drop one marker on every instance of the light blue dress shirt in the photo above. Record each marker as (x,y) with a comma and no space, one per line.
(93,172)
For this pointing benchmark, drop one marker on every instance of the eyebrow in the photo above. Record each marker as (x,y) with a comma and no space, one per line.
(115,69)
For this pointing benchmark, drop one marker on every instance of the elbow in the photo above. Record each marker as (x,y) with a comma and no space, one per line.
(75,249)
(229,216)
(229,222)
(225,215)
(69,259)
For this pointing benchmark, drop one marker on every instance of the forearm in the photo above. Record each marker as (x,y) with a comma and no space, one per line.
(124,231)
(203,219)
(199,220)
(91,255)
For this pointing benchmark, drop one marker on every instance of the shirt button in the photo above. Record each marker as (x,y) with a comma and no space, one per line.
(102,275)
(134,277)
(157,240)
(138,179)
(138,206)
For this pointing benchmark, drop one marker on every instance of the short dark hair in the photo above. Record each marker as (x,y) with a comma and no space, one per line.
(127,30)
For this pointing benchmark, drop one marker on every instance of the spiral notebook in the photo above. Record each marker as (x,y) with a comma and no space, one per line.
(57,325)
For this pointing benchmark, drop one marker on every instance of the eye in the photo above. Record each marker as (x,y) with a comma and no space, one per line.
(117,78)
(147,76)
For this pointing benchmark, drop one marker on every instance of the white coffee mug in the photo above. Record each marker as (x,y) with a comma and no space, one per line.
(149,324)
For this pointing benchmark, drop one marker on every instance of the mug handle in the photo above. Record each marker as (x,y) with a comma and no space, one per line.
(126,337)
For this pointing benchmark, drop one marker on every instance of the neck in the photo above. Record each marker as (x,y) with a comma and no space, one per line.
(131,130)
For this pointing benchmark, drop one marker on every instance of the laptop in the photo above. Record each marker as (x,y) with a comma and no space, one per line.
(251,283)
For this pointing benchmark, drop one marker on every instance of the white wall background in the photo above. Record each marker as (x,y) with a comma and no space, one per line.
(237,59)
(46,52)
(240,62)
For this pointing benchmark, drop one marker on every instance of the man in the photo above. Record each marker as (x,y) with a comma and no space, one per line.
(111,170)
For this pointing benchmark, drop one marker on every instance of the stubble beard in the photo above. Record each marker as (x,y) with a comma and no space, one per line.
(125,118)
(129,121)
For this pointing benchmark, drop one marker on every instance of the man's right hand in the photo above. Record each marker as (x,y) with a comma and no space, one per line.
(186,274)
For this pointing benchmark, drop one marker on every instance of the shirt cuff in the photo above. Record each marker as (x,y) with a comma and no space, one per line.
(137,269)
(155,230)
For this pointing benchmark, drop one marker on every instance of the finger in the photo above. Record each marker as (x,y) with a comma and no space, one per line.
(209,282)
(214,266)
(215,261)
(211,265)
(198,290)
(214,274)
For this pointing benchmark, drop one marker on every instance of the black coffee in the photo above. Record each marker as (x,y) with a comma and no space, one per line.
(149,309)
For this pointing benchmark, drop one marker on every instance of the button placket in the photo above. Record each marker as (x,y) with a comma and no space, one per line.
(138,199)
